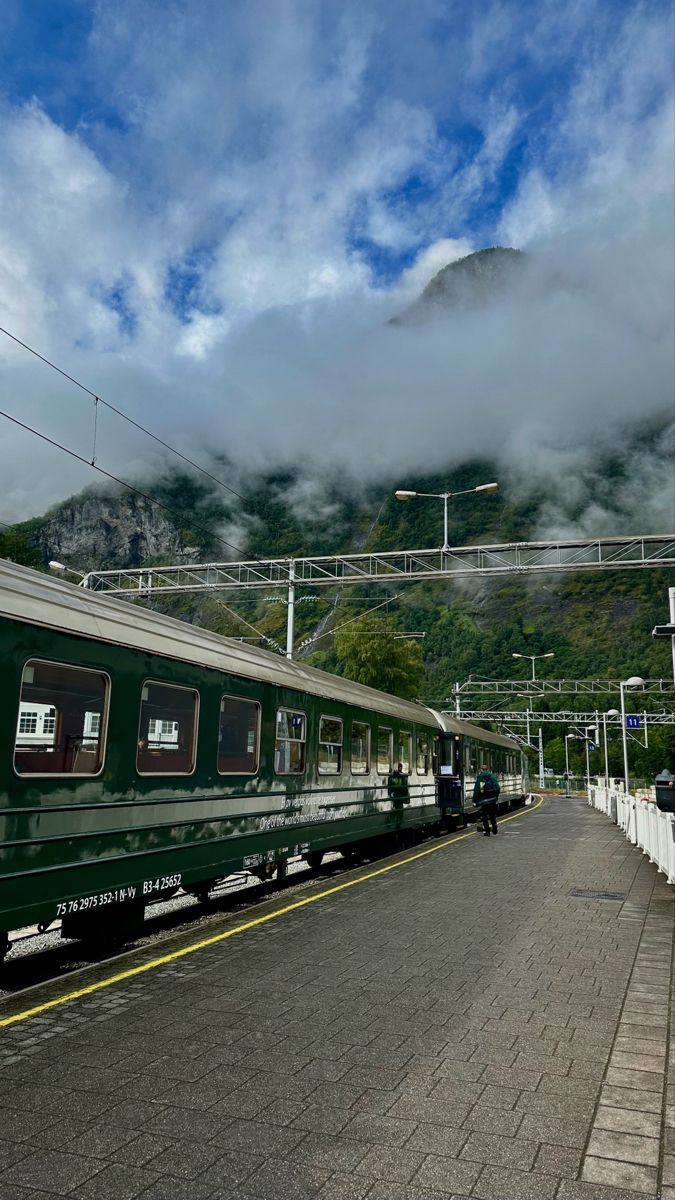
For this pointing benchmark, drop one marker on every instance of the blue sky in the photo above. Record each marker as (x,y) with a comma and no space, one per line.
(452,104)
(193,188)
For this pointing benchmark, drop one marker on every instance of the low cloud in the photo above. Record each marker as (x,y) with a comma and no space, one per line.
(223,258)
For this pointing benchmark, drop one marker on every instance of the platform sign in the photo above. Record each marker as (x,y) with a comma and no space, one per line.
(632,722)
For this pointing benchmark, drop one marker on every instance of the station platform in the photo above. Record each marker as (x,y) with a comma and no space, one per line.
(477,1017)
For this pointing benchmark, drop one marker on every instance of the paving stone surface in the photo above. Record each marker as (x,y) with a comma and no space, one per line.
(461,1026)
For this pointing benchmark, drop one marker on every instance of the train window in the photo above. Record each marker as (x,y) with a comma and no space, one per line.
(385,751)
(238,736)
(291,740)
(360,748)
(435,747)
(61,722)
(167,730)
(422,757)
(330,746)
(404,751)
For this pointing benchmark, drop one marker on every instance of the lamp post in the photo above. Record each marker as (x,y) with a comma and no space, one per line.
(402,494)
(567,762)
(533,658)
(635,681)
(611,712)
(569,737)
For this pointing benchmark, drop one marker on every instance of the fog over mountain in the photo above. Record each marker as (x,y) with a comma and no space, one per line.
(211,280)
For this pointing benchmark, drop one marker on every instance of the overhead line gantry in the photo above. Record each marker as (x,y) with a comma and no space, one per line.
(396,566)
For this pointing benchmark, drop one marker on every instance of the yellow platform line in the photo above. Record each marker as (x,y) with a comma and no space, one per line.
(252,924)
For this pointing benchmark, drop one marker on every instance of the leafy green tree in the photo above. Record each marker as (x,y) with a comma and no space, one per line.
(15,546)
(368,652)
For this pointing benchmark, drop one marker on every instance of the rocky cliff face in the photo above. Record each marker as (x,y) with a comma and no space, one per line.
(113,530)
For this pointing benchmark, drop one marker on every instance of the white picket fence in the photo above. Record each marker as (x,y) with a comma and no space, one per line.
(642,822)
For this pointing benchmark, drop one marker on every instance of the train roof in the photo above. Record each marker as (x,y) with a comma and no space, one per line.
(453,724)
(54,604)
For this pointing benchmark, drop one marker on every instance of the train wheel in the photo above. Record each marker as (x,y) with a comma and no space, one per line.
(201,891)
(282,870)
(314,859)
(352,856)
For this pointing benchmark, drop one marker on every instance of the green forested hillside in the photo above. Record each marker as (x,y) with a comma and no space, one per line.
(598,624)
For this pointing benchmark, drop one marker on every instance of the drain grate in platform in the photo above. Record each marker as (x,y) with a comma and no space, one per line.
(591,894)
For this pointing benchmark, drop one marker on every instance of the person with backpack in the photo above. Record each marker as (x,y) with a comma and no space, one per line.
(485,795)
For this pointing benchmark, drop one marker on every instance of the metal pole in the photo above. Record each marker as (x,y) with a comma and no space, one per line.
(533,675)
(541,758)
(445,522)
(604,734)
(290,617)
(528,723)
(646,735)
(625,739)
(588,768)
(567,767)
(671,598)
(458,704)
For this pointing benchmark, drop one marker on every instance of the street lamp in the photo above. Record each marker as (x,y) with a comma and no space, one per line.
(572,737)
(445,496)
(533,658)
(635,681)
(611,712)
(61,569)
(588,761)
(568,736)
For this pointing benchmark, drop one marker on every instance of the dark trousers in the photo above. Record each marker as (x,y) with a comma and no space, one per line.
(488,811)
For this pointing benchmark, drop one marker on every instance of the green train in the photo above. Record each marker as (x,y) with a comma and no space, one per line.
(140,754)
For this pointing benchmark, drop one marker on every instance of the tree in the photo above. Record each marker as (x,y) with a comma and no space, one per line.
(368,652)
(15,546)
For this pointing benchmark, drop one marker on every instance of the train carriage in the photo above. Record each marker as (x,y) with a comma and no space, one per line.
(139,754)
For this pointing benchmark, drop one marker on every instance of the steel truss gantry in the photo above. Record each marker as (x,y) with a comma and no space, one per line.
(525,716)
(550,687)
(396,566)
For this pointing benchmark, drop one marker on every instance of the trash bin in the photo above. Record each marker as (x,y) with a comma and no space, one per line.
(665,791)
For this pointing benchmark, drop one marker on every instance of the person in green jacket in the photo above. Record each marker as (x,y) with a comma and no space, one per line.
(397,787)
(485,795)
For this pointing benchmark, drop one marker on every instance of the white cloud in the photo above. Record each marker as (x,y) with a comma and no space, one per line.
(262,157)
(428,262)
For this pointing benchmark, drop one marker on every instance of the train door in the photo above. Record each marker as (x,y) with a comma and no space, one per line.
(448,770)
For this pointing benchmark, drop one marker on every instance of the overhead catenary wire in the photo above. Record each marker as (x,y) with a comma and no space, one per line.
(258,632)
(122,482)
(329,632)
(118,412)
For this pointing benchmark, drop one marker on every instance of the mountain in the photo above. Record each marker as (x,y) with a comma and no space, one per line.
(597,625)
(470,282)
